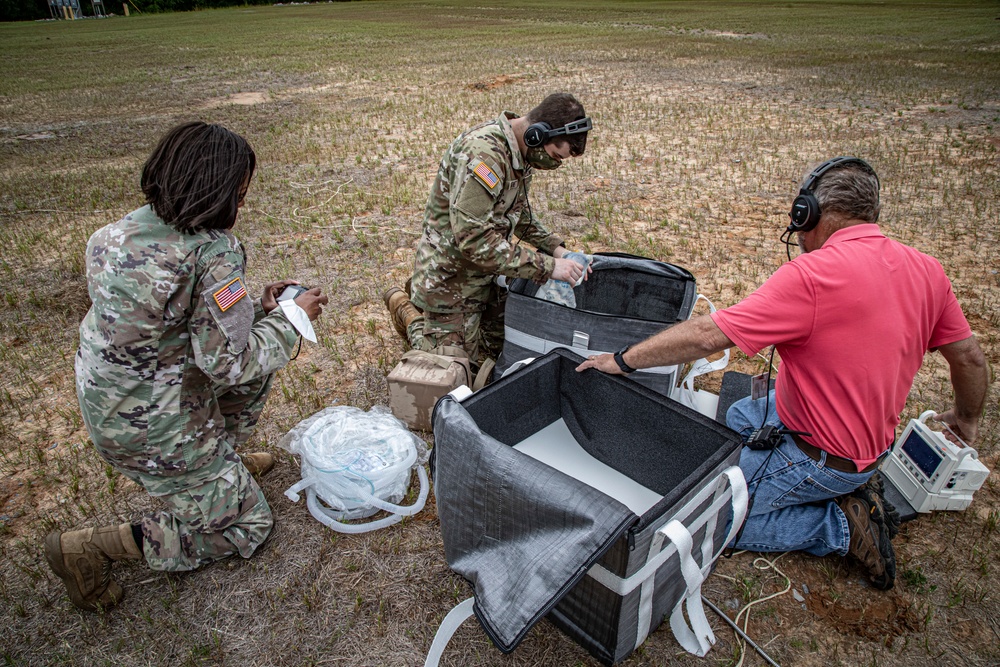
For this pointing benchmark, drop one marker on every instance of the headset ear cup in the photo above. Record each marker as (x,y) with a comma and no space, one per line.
(536,134)
(805,212)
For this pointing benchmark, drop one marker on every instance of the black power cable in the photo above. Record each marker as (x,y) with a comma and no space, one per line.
(766,437)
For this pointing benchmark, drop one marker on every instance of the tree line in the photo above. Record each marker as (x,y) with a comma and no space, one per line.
(33,10)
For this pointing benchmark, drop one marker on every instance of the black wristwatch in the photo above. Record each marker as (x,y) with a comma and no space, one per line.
(620,360)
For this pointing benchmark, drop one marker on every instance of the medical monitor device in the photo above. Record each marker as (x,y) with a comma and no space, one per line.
(930,472)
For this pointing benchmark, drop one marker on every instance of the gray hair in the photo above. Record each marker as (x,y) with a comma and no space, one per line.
(851,190)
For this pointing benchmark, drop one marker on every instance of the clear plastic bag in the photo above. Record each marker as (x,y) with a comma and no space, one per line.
(356,463)
(560,291)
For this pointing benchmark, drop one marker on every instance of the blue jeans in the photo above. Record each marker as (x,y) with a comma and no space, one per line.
(792,495)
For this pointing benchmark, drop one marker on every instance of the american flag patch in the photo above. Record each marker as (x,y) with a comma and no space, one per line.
(230,294)
(486,175)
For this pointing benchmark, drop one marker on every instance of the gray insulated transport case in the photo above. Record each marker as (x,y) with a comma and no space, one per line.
(584,498)
(625,300)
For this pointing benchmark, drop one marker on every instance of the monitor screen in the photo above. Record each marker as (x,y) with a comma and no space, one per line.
(922,454)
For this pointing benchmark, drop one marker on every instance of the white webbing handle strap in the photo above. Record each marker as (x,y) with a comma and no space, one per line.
(458,615)
(727,487)
(729,484)
(647,590)
(697,638)
(735,493)
(685,393)
(741,504)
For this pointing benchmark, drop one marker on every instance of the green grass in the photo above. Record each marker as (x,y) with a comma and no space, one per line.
(707,114)
(905,41)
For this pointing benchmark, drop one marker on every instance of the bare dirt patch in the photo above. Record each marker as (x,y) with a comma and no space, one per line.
(239,99)
(496,82)
(878,620)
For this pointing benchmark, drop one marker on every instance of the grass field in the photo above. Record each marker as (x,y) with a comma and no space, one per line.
(707,114)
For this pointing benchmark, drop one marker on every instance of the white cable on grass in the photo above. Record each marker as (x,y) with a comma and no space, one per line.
(295,211)
(739,631)
(759,563)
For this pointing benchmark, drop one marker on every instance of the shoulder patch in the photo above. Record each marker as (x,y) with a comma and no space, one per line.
(486,175)
(230,293)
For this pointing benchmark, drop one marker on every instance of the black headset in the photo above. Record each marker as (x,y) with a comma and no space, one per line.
(538,133)
(805,213)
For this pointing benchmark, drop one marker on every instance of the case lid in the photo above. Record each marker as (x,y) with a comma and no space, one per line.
(630,287)
(523,534)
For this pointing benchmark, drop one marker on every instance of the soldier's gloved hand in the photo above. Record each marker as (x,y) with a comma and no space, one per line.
(312,302)
(269,300)
(567,270)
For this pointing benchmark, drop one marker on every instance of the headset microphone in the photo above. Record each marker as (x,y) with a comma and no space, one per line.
(786,238)
(538,133)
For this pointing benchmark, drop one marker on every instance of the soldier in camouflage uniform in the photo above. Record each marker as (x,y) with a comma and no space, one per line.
(477,206)
(174,367)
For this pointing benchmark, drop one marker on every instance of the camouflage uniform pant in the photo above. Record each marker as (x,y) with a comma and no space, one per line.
(479,333)
(221,517)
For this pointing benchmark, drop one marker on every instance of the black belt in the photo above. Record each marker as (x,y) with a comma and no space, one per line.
(838,463)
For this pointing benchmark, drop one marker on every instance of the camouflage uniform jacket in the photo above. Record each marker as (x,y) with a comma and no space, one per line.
(478,203)
(171,320)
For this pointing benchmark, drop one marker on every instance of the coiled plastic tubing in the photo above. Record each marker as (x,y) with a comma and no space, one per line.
(354,464)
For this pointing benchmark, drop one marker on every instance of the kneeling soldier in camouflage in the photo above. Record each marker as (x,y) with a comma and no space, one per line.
(477,206)
(174,367)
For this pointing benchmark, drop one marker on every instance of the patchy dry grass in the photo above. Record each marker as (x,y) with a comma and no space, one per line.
(706,114)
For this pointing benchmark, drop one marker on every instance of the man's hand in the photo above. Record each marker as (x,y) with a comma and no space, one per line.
(269,300)
(605,363)
(970,377)
(965,429)
(312,302)
(681,343)
(567,270)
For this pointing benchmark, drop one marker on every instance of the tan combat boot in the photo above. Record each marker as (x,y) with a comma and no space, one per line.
(402,312)
(258,463)
(82,559)
(870,542)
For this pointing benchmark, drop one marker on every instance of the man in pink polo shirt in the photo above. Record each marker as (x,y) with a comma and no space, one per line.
(852,318)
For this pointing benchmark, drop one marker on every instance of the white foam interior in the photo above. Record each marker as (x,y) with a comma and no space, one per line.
(555,446)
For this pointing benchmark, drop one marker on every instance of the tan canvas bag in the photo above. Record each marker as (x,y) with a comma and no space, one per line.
(421,378)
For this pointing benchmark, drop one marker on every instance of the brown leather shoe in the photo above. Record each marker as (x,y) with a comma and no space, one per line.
(258,463)
(82,559)
(402,312)
(870,542)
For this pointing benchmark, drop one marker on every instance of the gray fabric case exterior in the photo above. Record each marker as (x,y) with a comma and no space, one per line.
(524,534)
(605,623)
(625,300)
